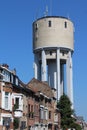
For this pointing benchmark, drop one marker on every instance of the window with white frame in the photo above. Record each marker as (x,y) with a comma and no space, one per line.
(6,100)
(11,78)
(45,114)
(16,81)
(55,117)
(41,113)
(6,75)
(18,102)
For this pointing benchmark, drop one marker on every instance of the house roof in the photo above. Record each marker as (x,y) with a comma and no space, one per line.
(39,86)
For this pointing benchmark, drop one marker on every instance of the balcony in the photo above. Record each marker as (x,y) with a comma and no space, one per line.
(17,111)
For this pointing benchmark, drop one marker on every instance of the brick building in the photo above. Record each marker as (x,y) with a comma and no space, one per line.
(29,106)
(49,114)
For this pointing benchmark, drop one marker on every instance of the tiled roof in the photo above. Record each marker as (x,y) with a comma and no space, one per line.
(39,86)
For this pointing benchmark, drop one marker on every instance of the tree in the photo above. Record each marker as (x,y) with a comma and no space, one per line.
(16,123)
(76,126)
(64,106)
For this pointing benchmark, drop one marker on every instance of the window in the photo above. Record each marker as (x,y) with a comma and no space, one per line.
(36,109)
(17,103)
(41,113)
(1,77)
(36,26)
(23,124)
(65,24)
(55,117)
(6,120)
(6,75)
(49,24)
(11,78)
(6,100)
(16,81)
(49,114)
(31,108)
(45,115)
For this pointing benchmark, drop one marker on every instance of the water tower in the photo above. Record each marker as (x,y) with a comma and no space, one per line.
(53,48)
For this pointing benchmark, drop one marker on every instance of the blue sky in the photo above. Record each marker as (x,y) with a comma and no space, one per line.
(16,18)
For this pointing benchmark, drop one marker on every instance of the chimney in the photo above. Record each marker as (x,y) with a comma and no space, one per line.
(6,66)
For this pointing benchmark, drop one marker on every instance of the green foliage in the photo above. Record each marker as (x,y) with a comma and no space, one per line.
(76,126)
(16,123)
(15,107)
(64,106)
(67,120)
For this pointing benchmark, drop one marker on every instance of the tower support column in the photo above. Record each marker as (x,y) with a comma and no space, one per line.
(62,79)
(58,74)
(43,71)
(69,77)
(35,67)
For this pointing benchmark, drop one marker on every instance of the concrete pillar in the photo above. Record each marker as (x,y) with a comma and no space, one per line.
(58,74)
(35,67)
(43,71)
(62,79)
(69,77)
(55,80)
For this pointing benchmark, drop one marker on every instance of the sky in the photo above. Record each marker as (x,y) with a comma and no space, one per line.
(16,18)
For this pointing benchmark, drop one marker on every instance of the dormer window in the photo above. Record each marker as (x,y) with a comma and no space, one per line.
(16,81)
(6,75)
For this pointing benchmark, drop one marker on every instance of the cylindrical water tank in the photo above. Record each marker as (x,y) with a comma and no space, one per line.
(53,31)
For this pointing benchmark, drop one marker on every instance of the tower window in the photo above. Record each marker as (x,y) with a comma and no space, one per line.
(36,26)
(49,23)
(65,24)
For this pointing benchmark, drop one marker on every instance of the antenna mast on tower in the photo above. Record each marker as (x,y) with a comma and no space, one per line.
(46,12)
(50,7)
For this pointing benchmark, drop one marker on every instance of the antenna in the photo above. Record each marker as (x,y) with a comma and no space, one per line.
(46,12)
(68,16)
(50,7)
(37,13)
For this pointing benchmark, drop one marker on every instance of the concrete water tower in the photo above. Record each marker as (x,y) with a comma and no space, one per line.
(53,48)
